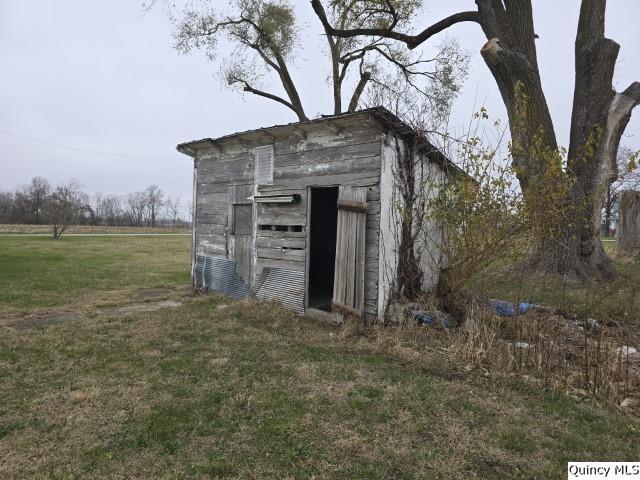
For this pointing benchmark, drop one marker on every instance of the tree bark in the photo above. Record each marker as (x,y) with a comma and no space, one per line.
(357,93)
(599,118)
(289,86)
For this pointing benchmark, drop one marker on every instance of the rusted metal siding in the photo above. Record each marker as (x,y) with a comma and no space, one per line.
(220,275)
(282,285)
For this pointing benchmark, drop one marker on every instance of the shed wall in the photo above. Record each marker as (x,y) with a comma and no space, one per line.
(389,234)
(324,158)
(428,180)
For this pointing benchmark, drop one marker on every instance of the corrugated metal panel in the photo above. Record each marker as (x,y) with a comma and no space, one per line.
(284,286)
(219,275)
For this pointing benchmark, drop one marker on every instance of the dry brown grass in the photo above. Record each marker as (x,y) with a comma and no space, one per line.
(582,358)
(252,391)
(216,388)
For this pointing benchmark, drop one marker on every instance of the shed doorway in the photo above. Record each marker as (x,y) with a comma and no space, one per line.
(323,224)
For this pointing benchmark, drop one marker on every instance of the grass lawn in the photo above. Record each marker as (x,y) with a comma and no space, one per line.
(38,273)
(232,389)
(84,229)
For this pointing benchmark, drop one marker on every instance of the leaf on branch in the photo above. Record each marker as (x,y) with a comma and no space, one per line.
(265,28)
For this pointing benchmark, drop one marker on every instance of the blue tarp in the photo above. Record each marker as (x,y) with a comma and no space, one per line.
(508,309)
(427,318)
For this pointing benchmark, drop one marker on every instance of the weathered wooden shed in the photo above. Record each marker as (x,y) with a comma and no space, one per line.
(306,213)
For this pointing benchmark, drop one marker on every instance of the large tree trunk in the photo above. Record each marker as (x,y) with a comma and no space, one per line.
(578,250)
(572,245)
(629,237)
(599,117)
(510,54)
(334,50)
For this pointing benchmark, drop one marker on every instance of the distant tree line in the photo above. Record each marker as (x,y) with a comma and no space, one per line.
(41,203)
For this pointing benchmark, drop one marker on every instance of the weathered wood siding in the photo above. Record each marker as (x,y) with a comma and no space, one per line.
(428,178)
(351,157)
(324,158)
(216,172)
(388,234)
(348,289)
(241,223)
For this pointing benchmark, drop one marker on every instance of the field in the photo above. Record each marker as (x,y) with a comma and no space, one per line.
(39,273)
(110,368)
(88,229)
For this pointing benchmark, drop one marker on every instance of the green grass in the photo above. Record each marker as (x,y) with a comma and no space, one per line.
(252,391)
(39,273)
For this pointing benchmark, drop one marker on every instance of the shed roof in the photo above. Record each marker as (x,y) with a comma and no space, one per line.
(379,114)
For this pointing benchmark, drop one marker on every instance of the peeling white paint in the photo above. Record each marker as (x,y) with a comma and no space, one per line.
(429,241)
(428,246)
(388,243)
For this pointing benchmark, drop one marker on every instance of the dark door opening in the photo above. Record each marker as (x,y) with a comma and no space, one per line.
(322,251)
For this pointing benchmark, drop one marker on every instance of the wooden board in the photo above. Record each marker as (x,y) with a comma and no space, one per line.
(279,234)
(211,229)
(348,286)
(295,218)
(240,239)
(323,138)
(294,255)
(340,154)
(286,264)
(322,158)
(208,246)
(205,188)
(214,197)
(280,241)
(371,177)
(232,167)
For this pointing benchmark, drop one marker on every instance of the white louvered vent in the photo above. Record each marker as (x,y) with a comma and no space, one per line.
(264,165)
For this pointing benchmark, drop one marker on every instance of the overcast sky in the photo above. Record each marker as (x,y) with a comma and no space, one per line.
(101,76)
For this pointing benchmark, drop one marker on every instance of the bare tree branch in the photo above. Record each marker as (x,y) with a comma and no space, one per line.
(412,41)
(264,27)
(357,93)
(260,93)
(633,92)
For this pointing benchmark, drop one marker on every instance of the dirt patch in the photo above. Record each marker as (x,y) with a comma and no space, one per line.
(154,292)
(32,321)
(141,307)
(40,320)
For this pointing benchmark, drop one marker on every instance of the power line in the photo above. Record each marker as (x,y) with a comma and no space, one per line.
(79,149)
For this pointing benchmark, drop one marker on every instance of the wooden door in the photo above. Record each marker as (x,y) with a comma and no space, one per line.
(348,284)
(240,240)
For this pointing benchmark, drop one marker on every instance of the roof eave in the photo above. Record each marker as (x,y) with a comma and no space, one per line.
(270,134)
(191,148)
(380,115)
